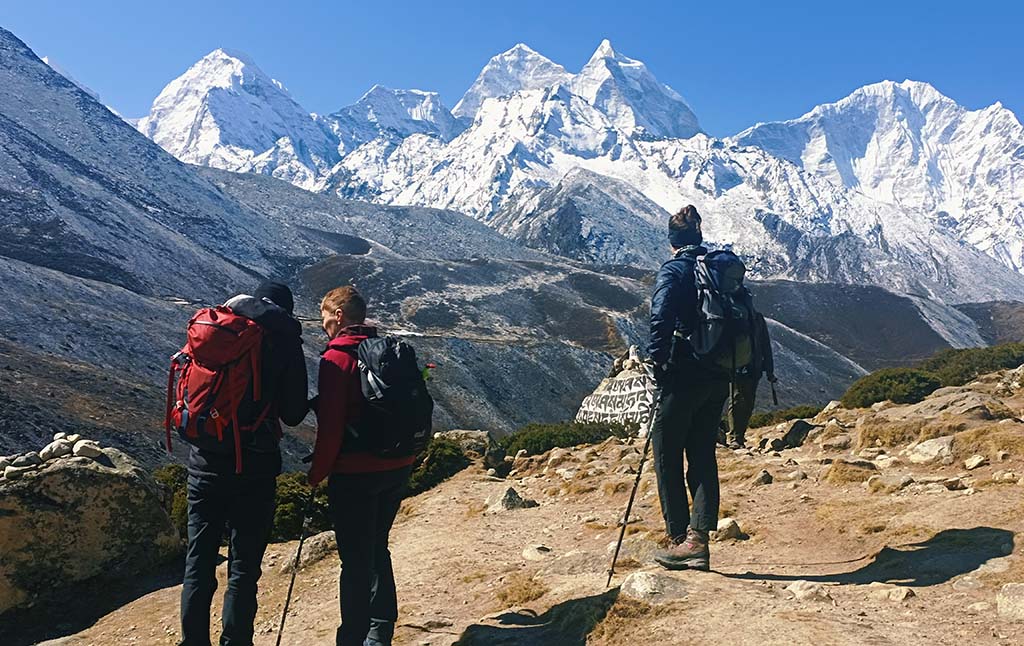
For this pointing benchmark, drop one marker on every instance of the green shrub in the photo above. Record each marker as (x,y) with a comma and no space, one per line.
(174,477)
(442,459)
(770,418)
(899,385)
(959,367)
(289,503)
(539,438)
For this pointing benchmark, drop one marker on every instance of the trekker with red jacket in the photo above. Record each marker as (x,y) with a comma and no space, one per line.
(364,490)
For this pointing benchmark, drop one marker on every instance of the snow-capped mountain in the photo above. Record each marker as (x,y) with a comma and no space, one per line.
(520,68)
(588,217)
(632,99)
(226,113)
(896,186)
(908,145)
(392,115)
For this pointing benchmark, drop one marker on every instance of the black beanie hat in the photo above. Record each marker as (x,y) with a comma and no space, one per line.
(277,293)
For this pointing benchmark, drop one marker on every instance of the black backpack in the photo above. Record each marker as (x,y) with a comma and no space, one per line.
(724,337)
(396,418)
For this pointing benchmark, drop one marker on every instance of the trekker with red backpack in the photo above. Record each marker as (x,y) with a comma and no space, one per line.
(373,418)
(240,375)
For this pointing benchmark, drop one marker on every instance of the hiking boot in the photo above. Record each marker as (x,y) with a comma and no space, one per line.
(736,444)
(691,554)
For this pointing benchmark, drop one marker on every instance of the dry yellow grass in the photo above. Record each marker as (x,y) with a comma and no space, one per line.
(842,472)
(613,488)
(475,508)
(520,588)
(876,431)
(624,616)
(989,440)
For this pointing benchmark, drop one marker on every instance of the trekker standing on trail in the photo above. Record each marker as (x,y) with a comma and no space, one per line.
(364,489)
(741,403)
(690,406)
(233,484)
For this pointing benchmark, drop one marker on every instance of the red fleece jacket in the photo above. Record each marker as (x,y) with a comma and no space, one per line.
(340,401)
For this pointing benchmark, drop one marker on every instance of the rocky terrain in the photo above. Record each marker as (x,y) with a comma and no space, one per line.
(74,511)
(899,524)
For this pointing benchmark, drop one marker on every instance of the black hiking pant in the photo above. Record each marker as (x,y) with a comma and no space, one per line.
(686,421)
(245,505)
(363,508)
(739,408)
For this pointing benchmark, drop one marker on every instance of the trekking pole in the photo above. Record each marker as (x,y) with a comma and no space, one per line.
(295,565)
(636,483)
(775,396)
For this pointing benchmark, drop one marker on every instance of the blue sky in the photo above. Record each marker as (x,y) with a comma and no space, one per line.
(736,62)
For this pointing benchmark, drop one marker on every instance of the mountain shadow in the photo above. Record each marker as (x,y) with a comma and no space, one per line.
(939,559)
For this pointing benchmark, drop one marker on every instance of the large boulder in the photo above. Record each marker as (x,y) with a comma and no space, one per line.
(476,444)
(75,518)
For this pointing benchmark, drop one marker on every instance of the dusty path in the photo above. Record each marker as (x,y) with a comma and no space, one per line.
(953,549)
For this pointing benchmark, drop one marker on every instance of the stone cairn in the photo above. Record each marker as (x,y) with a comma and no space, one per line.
(63,446)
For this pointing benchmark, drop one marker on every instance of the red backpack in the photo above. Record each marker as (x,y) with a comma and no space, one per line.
(209,378)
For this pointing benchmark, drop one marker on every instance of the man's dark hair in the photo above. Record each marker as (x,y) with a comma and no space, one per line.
(684,227)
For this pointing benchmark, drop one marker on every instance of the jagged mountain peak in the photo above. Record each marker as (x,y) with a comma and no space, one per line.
(604,50)
(632,98)
(516,69)
(225,112)
(392,114)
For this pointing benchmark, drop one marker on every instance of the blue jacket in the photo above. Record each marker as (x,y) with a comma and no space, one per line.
(674,306)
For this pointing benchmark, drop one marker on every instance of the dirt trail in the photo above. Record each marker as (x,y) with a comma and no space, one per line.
(467,575)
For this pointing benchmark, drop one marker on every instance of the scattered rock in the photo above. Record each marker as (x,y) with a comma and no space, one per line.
(763,478)
(954,484)
(886,592)
(653,587)
(728,529)
(981,608)
(315,549)
(74,437)
(558,456)
(1010,601)
(1002,456)
(512,500)
(974,462)
(886,461)
(796,475)
(13,473)
(477,444)
(55,449)
(837,443)
(931,450)
(27,460)
(809,591)
(871,452)
(888,483)
(87,449)
(59,436)
(537,553)
(787,435)
(4,463)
